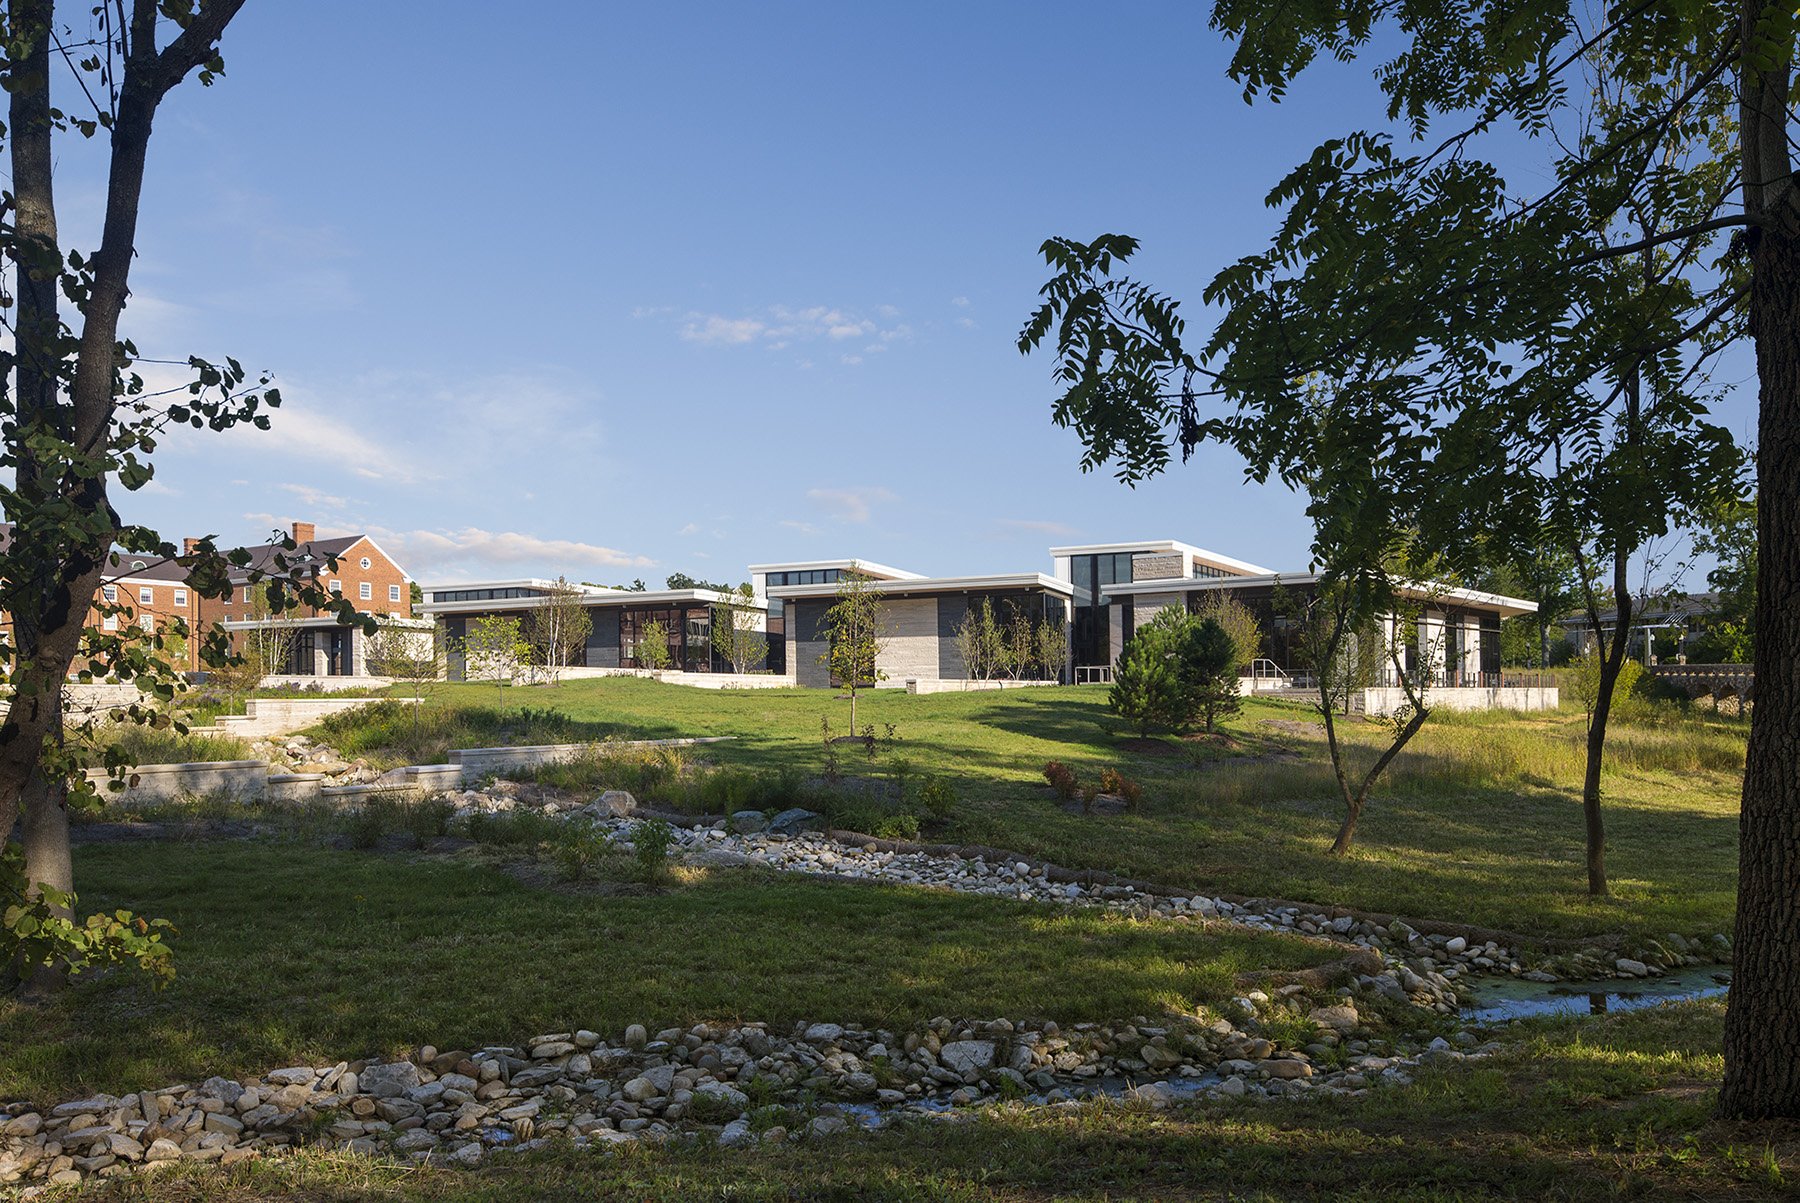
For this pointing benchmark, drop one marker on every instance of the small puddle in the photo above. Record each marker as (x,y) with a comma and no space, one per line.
(1498,1000)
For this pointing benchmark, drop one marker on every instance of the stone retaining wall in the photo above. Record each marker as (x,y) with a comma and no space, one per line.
(279,716)
(477,763)
(1387,699)
(920,685)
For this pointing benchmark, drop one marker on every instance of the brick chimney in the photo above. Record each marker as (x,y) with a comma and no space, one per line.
(304,532)
(189,546)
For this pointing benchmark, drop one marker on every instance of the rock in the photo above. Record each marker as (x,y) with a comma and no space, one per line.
(162,1149)
(614,803)
(795,820)
(225,1125)
(827,1125)
(1631,968)
(748,822)
(1456,945)
(824,1033)
(416,1141)
(93,1106)
(1285,1069)
(390,1080)
(636,1036)
(23,1126)
(1341,1019)
(967,1056)
(737,1132)
(299,1075)
(1157,1057)
(652,1083)
(552,1049)
(1233,1086)
(725,1098)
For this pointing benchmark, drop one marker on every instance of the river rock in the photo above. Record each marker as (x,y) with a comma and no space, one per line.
(795,820)
(967,1056)
(748,822)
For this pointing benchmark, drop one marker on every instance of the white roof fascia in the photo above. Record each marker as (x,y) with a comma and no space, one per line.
(1200,553)
(947,584)
(1509,607)
(879,571)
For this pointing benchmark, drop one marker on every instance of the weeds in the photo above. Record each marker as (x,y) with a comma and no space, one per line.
(650,842)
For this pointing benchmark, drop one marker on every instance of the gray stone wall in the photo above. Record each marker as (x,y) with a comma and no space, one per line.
(911,645)
(1157,567)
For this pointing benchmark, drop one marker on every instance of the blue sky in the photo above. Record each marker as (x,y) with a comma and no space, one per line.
(626,290)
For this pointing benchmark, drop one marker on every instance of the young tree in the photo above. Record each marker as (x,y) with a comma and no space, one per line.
(495,648)
(263,649)
(1208,666)
(559,627)
(1238,622)
(1146,689)
(1021,645)
(734,629)
(856,626)
(417,658)
(971,643)
(652,650)
(1052,648)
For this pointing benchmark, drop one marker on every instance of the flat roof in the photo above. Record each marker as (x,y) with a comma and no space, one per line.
(1508,607)
(937,584)
(867,567)
(591,596)
(1211,557)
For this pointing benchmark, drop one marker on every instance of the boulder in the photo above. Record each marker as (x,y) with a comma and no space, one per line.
(389,1081)
(1341,1019)
(967,1056)
(614,803)
(748,822)
(795,820)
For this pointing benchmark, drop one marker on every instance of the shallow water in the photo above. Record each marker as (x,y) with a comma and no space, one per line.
(1495,1000)
(871,1115)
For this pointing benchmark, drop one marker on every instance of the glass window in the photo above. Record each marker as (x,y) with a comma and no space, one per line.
(181,597)
(336,587)
(393,593)
(146,595)
(110,592)
(364,590)
(246,595)
(110,623)
(365,563)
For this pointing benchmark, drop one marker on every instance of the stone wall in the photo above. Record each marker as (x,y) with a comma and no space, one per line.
(910,651)
(1387,699)
(1158,567)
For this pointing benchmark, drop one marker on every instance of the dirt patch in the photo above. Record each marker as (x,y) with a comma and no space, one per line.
(1149,747)
(1292,726)
(1223,740)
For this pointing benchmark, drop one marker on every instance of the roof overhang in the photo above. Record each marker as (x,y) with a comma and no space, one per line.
(941,584)
(1425,591)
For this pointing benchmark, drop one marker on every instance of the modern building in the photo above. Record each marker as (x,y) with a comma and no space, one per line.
(618,620)
(922,615)
(1097,594)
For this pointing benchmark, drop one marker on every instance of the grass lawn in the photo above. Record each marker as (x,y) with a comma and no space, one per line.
(1604,1110)
(1480,822)
(291,953)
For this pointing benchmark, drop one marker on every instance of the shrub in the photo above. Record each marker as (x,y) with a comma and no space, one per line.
(937,797)
(650,842)
(1062,779)
(579,847)
(1112,781)
(428,819)
(898,827)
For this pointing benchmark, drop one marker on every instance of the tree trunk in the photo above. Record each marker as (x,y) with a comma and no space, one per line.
(45,835)
(1762,1026)
(1591,814)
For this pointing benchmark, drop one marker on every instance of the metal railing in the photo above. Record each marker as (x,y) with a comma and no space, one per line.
(1093,674)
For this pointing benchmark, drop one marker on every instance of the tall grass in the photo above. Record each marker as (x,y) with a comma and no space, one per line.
(388,733)
(163,745)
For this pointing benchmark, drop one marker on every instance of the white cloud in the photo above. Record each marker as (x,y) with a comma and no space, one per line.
(849,505)
(315,497)
(960,302)
(779,327)
(722,331)
(805,528)
(689,529)
(473,551)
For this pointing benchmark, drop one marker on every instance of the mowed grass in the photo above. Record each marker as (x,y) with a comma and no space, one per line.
(1480,820)
(1616,1108)
(289,953)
